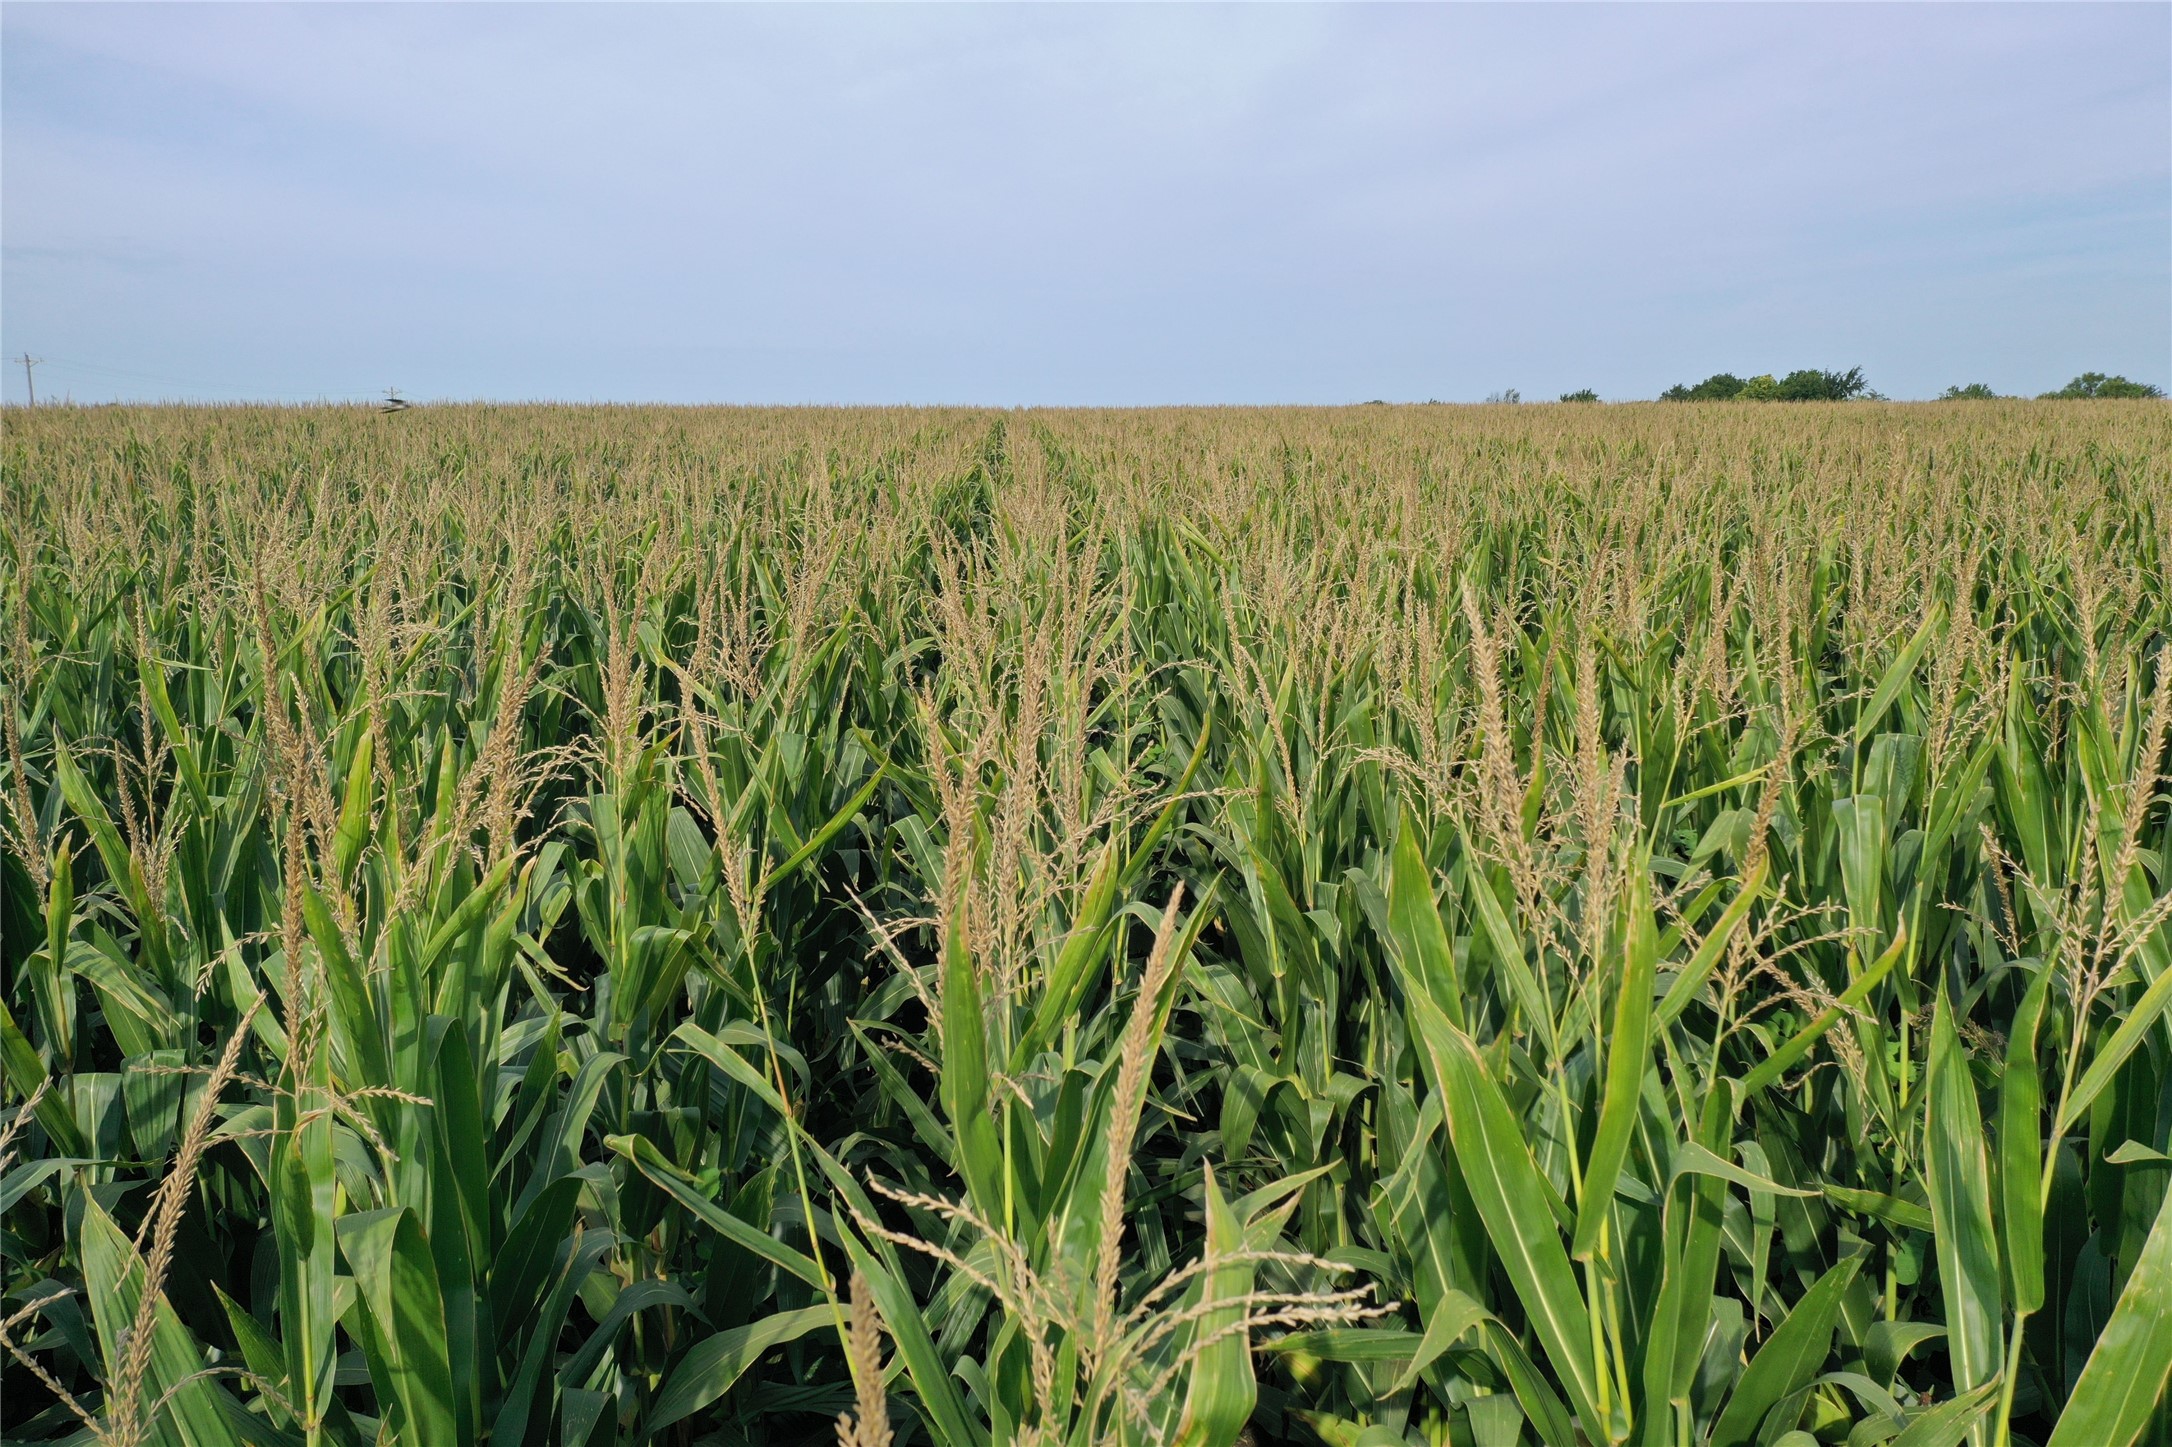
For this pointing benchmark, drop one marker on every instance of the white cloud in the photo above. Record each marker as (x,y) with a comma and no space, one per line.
(1080,203)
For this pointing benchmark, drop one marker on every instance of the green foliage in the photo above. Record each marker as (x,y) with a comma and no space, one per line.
(1581,394)
(1719,387)
(1807,385)
(1973,392)
(2096,384)
(1563,925)
(1812,385)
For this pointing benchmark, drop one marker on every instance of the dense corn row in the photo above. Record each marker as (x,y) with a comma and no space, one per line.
(1643,924)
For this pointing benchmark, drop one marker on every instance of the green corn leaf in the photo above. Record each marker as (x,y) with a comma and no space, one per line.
(1414,921)
(1947,1423)
(2124,1041)
(259,1350)
(52,996)
(526,1396)
(524,1261)
(2116,1397)
(1221,1391)
(1958,1175)
(303,1202)
(2021,1171)
(1143,855)
(357,1024)
(1701,964)
(1789,1358)
(965,1075)
(175,1402)
(25,1073)
(931,1378)
(405,1335)
(1078,964)
(152,671)
(1628,1056)
(712,1365)
(1351,1344)
(1889,1209)
(718,1052)
(1898,674)
(830,829)
(1511,1197)
(1450,1318)
(1507,948)
(21,1180)
(1693,1158)
(466,915)
(687,1193)
(353,830)
(926,1128)
(1798,1045)
(1695,1211)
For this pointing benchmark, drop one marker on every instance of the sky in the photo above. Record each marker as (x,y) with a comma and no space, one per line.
(1101,204)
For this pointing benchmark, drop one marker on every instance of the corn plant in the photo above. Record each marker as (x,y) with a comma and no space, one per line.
(1643,926)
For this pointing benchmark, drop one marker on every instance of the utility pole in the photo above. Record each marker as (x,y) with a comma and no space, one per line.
(29,362)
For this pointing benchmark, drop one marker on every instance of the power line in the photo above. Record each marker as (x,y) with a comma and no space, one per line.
(29,362)
(198,388)
(193,383)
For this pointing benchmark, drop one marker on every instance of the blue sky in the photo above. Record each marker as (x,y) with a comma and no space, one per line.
(1078,204)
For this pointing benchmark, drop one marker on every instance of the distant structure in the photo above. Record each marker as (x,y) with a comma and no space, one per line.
(393,402)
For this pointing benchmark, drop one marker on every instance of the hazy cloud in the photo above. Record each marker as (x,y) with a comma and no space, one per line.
(1080,203)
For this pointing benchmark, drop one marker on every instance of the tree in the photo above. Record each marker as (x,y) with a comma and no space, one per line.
(1805,385)
(1509,394)
(1719,387)
(2096,384)
(1812,385)
(1973,392)
(1581,394)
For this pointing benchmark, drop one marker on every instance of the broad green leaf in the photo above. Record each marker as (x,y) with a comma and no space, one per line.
(354,811)
(1958,1176)
(1898,673)
(2124,1379)
(1511,1198)
(1628,1056)
(1787,1361)
(1692,1236)
(687,1193)
(2133,1029)
(1414,920)
(964,1086)
(1221,1391)
(924,1364)
(1798,1045)
(1947,1423)
(1701,964)
(2021,1151)
(830,829)
(405,1336)
(176,1402)
(712,1365)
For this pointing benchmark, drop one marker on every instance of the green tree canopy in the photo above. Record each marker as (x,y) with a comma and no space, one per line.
(2096,384)
(1805,385)
(1812,385)
(1581,394)
(1719,387)
(1973,392)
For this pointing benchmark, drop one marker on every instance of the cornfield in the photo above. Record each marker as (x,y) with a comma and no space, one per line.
(1462,926)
